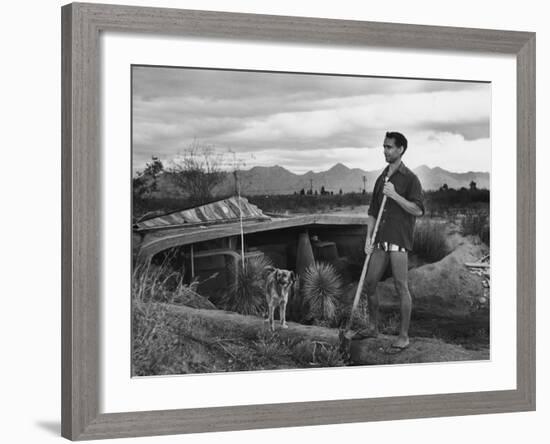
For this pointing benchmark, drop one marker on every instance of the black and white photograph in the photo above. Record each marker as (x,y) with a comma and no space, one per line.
(275,222)
(287,220)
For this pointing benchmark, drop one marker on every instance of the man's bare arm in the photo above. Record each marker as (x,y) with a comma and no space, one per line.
(371,221)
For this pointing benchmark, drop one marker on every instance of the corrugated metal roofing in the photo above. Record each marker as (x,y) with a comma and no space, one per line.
(155,241)
(222,211)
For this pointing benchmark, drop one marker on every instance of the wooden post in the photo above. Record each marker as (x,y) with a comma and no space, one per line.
(192,263)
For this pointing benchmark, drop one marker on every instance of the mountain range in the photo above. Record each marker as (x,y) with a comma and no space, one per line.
(278,180)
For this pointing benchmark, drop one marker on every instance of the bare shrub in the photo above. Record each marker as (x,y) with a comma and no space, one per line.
(161,283)
(197,171)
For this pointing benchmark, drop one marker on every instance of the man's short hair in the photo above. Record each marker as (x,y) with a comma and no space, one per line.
(400,139)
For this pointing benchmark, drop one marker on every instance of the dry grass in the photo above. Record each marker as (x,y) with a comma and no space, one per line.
(477,225)
(165,343)
(430,240)
(155,340)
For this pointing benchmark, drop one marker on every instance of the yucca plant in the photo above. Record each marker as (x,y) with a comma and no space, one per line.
(321,288)
(246,292)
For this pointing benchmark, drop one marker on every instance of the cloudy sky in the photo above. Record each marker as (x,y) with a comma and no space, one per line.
(309,122)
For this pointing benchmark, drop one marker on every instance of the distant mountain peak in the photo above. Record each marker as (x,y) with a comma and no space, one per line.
(423,168)
(339,167)
(268,168)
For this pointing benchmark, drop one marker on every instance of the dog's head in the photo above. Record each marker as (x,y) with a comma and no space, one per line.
(284,278)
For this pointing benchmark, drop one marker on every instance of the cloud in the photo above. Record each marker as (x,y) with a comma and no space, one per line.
(331,116)
(150,83)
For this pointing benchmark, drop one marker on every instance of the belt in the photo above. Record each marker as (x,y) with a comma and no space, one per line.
(387,246)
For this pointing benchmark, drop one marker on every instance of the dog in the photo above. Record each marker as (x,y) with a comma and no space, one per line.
(278,285)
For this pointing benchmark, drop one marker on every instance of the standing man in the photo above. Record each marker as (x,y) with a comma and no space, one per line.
(395,233)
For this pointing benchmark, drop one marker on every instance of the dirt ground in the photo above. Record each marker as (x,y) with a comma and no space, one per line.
(208,341)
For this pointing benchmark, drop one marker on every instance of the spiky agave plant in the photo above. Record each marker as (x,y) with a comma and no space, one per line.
(321,287)
(246,292)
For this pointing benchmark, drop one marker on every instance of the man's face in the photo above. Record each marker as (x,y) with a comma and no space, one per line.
(391,151)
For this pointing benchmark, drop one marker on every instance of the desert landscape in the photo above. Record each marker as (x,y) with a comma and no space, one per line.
(236,173)
(193,318)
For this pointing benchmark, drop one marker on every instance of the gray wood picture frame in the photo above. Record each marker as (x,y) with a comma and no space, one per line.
(81,174)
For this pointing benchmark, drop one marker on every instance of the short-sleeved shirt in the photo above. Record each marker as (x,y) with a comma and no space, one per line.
(397,225)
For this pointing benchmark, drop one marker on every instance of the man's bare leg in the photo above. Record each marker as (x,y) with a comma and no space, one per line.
(399,264)
(377,266)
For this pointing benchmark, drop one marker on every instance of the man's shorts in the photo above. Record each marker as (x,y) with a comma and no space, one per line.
(387,246)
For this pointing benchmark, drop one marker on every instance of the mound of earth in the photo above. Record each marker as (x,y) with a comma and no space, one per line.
(250,326)
(365,352)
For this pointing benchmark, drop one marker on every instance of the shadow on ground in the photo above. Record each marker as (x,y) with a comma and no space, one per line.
(53,427)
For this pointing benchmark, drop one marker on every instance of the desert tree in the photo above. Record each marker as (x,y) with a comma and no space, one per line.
(144,183)
(197,171)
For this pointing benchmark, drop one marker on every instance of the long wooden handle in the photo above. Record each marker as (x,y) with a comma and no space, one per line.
(365,265)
